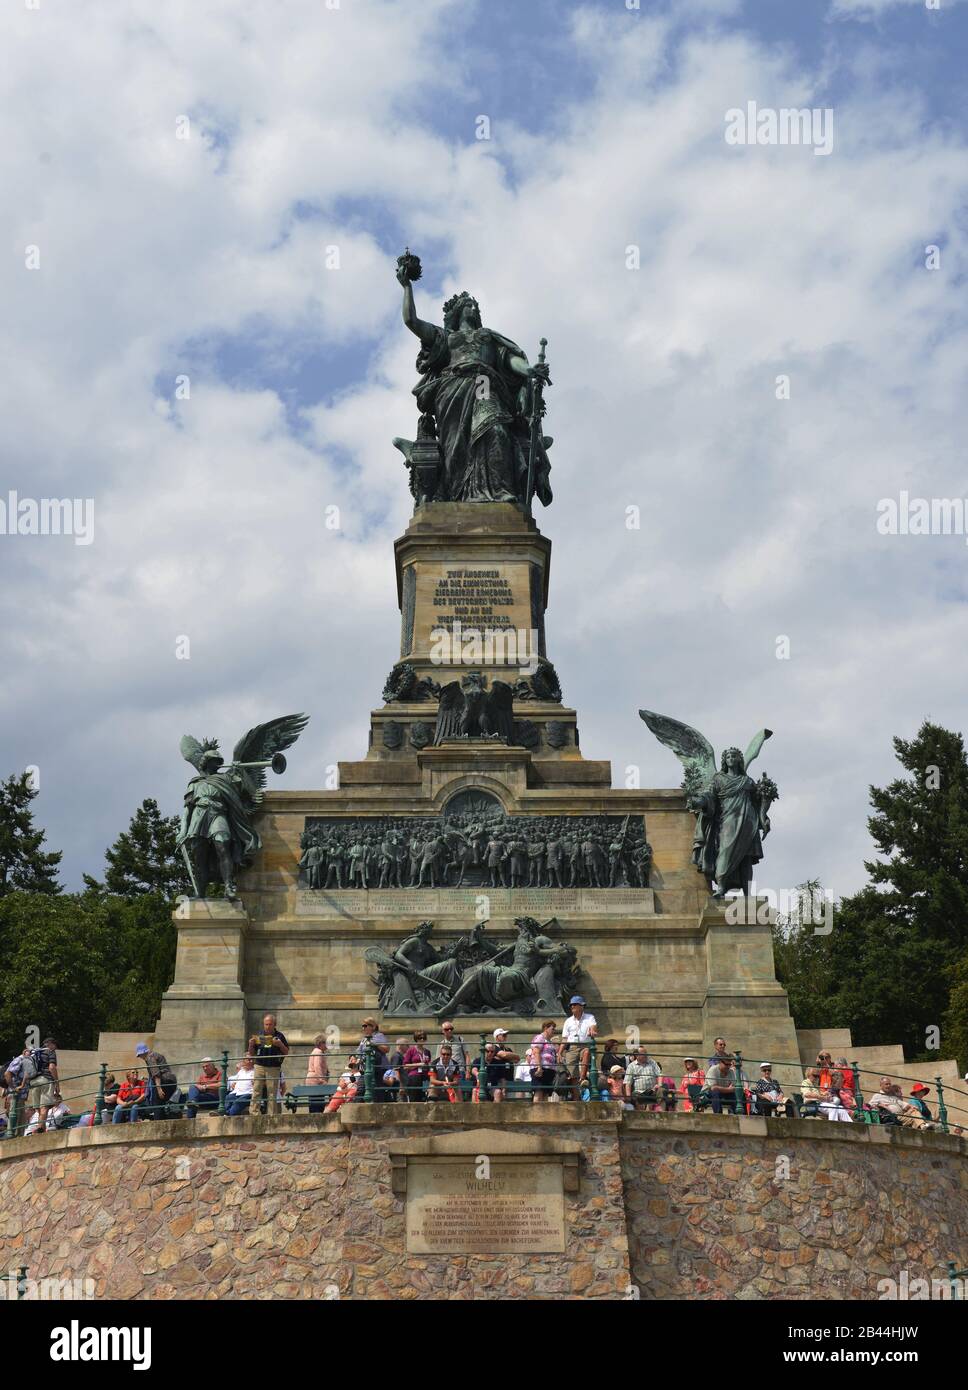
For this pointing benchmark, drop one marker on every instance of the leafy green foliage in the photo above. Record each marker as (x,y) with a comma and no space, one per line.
(76,964)
(888,970)
(24,865)
(145,858)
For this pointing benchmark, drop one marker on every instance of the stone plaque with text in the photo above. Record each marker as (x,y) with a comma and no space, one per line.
(454,1209)
(473,903)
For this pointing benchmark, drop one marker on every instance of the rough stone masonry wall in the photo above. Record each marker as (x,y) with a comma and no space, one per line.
(304,1209)
(680,1206)
(789,1209)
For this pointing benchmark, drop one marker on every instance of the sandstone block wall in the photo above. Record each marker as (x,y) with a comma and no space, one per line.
(668,1207)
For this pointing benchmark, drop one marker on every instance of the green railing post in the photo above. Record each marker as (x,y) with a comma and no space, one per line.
(368,1072)
(739,1108)
(942,1108)
(22,1282)
(592,1071)
(858,1094)
(482,1071)
(223,1085)
(99,1098)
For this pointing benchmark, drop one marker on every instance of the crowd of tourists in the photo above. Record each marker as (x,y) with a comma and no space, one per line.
(561,1062)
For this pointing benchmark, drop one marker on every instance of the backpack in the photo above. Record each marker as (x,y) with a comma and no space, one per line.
(22,1070)
(41,1058)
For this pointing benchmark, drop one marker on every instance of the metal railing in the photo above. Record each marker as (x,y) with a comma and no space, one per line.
(576,1076)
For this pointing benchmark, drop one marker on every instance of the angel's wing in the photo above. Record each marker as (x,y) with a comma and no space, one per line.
(753,751)
(191,751)
(264,740)
(693,750)
(500,709)
(450,711)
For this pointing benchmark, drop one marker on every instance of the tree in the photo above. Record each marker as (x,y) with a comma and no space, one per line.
(24,865)
(73,965)
(920,825)
(54,970)
(143,939)
(145,859)
(800,955)
(955,1029)
(886,971)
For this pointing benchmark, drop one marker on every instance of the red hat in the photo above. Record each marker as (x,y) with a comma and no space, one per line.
(920,1089)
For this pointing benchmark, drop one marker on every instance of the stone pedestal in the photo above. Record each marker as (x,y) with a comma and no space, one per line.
(484,567)
(659,958)
(203,1012)
(743,1002)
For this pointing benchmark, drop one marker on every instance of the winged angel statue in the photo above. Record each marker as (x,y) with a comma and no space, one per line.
(217,835)
(732,811)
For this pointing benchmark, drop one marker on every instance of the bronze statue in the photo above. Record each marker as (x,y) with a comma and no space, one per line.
(217,835)
(468,710)
(473,975)
(479,437)
(732,811)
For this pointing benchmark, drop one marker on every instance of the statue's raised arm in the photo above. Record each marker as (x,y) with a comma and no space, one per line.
(409,270)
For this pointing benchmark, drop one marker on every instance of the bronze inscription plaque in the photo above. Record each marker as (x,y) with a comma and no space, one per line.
(468,1206)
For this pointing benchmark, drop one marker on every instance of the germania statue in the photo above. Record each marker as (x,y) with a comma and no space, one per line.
(479,436)
(217,835)
(732,811)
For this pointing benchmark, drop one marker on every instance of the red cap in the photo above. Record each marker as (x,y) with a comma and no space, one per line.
(920,1089)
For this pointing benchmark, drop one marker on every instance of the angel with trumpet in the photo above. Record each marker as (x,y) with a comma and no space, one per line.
(217,835)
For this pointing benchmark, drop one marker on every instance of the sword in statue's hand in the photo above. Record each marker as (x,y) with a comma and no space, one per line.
(537,415)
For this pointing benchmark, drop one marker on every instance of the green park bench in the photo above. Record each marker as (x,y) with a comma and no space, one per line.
(299,1095)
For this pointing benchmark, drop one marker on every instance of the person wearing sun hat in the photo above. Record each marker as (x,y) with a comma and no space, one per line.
(918,1093)
(692,1075)
(580,1027)
(768,1097)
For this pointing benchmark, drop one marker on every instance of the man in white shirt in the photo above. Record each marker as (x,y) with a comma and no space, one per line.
(642,1077)
(239,1096)
(456,1044)
(577,1029)
(57,1113)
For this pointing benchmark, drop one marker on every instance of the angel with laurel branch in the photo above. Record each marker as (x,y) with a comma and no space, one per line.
(732,811)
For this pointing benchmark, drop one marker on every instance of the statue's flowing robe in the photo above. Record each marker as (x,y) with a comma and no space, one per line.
(728,840)
(497,985)
(483,435)
(420,955)
(214,810)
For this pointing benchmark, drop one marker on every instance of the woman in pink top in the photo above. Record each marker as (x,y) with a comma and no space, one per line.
(692,1076)
(317,1072)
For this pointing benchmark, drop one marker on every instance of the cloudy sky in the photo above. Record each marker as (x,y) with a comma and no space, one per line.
(313,125)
